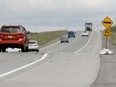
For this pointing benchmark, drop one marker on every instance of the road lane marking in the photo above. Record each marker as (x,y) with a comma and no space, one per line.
(20,68)
(85,44)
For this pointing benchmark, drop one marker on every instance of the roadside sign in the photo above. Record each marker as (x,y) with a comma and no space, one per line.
(107,22)
(107,32)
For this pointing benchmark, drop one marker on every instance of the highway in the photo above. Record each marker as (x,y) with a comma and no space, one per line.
(73,64)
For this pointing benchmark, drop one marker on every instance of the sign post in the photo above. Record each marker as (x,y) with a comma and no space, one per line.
(106,42)
(107,33)
(107,22)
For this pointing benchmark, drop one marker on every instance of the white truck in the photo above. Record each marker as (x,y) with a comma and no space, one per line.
(88,26)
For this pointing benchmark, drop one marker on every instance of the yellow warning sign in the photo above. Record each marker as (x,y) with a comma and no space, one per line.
(107,32)
(107,22)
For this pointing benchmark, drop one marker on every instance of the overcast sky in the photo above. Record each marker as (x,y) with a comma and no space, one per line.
(36,14)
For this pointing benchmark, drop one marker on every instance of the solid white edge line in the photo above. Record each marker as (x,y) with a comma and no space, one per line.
(30,64)
(85,44)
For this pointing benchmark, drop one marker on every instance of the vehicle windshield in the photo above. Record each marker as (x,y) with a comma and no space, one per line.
(10,30)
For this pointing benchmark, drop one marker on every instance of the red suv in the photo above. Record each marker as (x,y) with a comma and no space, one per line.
(13,37)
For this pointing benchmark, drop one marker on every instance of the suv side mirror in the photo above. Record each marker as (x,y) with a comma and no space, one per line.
(28,32)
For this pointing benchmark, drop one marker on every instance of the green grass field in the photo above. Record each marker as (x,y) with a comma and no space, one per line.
(113,38)
(113,34)
(45,37)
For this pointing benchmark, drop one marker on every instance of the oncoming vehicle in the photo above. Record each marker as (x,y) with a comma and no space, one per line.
(64,38)
(13,36)
(85,33)
(33,45)
(71,34)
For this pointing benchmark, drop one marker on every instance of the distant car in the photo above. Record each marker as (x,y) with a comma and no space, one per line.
(64,38)
(33,45)
(85,33)
(13,36)
(71,34)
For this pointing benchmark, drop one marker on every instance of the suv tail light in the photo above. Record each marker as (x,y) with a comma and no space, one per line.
(1,36)
(20,35)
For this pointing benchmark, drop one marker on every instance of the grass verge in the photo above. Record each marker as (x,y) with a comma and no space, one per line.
(45,37)
(113,35)
(113,38)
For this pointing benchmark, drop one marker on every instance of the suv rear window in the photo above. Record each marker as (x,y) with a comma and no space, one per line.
(70,32)
(32,42)
(10,29)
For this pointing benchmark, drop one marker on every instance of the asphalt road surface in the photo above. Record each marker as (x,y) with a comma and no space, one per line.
(73,64)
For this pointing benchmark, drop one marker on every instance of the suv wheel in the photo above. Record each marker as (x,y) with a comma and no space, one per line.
(3,49)
(0,49)
(27,49)
(23,48)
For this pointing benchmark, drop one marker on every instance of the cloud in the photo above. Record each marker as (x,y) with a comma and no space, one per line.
(55,12)
(44,6)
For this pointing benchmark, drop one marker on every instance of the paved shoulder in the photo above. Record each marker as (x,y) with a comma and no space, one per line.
(107,74)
